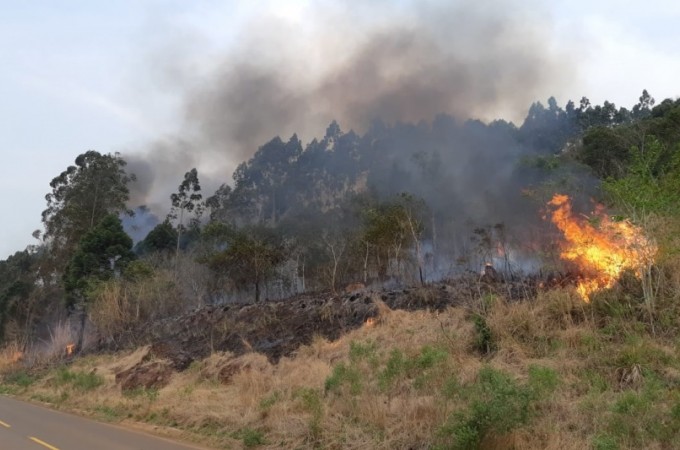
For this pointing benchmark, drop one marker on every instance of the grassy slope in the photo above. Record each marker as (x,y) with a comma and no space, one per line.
(552,373)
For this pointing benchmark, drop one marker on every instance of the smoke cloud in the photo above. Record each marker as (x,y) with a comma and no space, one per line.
(353,62)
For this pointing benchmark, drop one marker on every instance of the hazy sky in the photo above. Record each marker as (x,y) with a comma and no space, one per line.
(113,76)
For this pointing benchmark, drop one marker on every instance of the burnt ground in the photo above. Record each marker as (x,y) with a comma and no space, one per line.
(278,328)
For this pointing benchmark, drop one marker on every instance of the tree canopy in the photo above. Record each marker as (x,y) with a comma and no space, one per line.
(81,196)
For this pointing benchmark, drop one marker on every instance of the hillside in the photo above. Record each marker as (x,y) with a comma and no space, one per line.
(434,285)
(549,371)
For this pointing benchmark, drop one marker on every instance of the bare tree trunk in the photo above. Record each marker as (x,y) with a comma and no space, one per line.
(366,265)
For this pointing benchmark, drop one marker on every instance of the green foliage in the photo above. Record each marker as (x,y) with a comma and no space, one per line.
(81,197)
(484,341)
(652,181)
(250,437)
(138,271)
(396,365)
(250,258)
(17,285)
(102,253)
(312,402)
(270,400)
(638,418)
(84,381)
(418,368)
(162,238)
(365,351)
(392,227)
(187,200)
(497,404)
(606,150)
(19,378)
(109,413)
(605,442)
(344,374)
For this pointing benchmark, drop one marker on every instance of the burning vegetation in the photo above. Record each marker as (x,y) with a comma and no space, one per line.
(600,247)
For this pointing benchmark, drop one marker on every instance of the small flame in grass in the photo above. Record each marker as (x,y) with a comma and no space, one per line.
(69,349)
(370,321)
(603,252)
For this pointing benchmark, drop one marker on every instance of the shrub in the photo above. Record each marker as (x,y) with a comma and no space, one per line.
(497,405)
(79,380)
(484,341)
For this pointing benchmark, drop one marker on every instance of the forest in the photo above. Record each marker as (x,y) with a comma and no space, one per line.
(402,204)
(445,285)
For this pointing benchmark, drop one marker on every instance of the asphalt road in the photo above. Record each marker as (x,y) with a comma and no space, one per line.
(24,426)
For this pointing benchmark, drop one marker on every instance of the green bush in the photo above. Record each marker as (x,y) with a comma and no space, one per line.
(484,342)
(250,437)
(496,404)
(19,378)
(79,380)
(344,374)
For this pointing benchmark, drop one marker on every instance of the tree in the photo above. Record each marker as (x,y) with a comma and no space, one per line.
(644,107)
(17,281)
(392,227)
(81,197)
(102,253)
(162,237)
(250,258)
(188,198)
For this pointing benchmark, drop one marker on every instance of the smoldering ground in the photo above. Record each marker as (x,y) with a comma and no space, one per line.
(353,62)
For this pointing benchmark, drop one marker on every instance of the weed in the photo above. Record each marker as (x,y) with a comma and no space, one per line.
(605,442)
(344,374)
(20,378)
(270,400)
(250,437)
(542,380)
(484,341)
(395,367)
(151,394)
(497,405)
(365,352)
(108,413)
(79,380)
(311,401)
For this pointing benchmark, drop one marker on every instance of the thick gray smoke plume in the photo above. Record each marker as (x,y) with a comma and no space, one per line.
(355,62)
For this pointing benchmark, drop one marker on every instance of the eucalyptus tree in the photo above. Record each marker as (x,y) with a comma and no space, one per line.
(187,200)
(81,196)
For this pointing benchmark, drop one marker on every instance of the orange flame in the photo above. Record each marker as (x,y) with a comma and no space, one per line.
(601,253)
(370,322)
(69,349)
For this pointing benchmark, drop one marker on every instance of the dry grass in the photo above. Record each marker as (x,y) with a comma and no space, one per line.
(399,380)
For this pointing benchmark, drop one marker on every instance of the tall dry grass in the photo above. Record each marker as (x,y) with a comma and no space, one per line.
(410,379)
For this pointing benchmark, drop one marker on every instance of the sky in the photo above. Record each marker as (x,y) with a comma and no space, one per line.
(123,76)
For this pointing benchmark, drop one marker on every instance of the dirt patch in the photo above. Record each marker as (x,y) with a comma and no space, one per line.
(152,375)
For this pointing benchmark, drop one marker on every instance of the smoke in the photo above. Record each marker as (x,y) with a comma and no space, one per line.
(354,62)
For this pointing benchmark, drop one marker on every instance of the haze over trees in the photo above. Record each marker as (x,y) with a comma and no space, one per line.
(400,204)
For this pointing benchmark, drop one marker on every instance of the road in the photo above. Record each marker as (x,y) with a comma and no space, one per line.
(24,426)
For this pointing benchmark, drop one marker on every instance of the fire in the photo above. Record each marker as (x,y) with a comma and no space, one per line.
(69,349)
(370,322)
(601,252)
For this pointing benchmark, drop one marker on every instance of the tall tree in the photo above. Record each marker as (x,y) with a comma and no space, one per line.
(162,238)
(102,253)
(82,196)
(250,258)
(187,199)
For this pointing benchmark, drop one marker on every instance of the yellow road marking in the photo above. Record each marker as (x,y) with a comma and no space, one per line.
(43,443)
(5,424)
